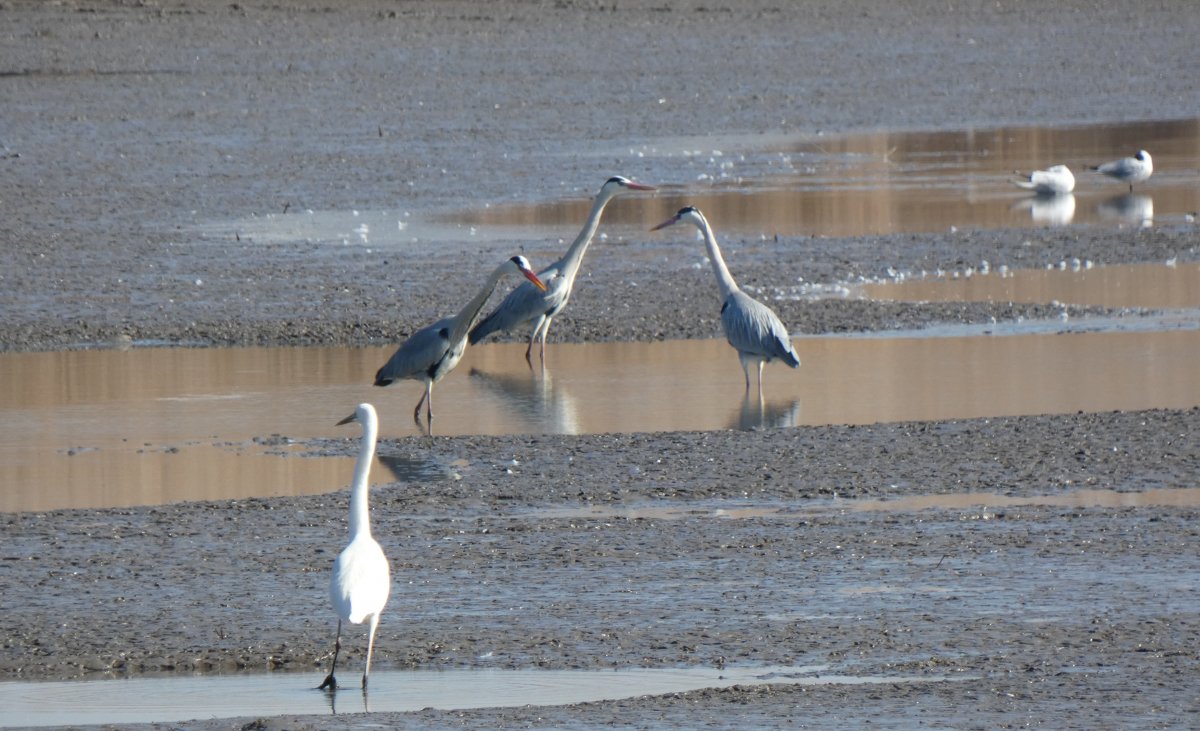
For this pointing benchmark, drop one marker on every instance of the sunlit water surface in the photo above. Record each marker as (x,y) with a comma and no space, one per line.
(818,185)
(148,426)
(174,699)
(157,425)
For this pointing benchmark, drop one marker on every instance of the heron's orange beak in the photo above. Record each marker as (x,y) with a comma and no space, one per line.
(639,186)
(534,278)
(666,223)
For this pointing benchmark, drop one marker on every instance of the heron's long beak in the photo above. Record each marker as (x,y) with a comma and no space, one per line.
(348,419)
(668,222)
(534,278)
(639,186)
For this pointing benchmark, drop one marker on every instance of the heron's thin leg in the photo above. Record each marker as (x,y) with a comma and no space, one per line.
(429,401)
(545,329)
(760,372)
(330,682)
(417,411)
(370,648)
(745,370)
(532,338)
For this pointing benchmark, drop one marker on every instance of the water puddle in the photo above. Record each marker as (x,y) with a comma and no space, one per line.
(1186,497)
(1152,286)
(985,502)
(157,425)
(824,185)
(175,699)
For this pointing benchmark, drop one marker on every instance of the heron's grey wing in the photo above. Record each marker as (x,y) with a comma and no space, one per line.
(417,355)
(523,304)
(752,327)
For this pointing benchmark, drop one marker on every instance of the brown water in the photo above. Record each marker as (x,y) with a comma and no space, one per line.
(1152,286)
(862,184)
(148,426)
(830,185)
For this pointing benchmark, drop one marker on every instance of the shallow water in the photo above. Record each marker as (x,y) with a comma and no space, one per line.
(984,502)
(828,185)
(149,426)
(166,700)
(1151,286)
(157,425)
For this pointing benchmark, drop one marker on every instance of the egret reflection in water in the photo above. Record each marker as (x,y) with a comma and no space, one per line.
(535,396)
(333,709)
(1134,209)
(1053,210)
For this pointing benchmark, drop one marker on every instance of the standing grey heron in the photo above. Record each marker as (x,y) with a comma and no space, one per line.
(1135,169)
(529,304)
(433,351)
(752,328)
(361,580)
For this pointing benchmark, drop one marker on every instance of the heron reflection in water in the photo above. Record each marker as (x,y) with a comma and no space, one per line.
(533,393)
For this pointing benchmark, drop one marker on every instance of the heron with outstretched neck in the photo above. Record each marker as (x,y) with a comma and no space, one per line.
(529,304)
(752,328)
(433,351)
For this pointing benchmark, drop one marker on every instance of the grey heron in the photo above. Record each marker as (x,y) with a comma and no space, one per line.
(1135,169)
(433,351)
(528,304)
(752,328)
(1054,180)
(361,580)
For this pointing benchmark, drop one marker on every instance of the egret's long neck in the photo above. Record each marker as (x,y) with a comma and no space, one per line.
(724,278)
(360,521)
(568,265)
(466,317)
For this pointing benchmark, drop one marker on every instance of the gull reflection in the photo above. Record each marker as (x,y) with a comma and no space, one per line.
(757,414)
(1135,209)
(1052,210)
(534,395)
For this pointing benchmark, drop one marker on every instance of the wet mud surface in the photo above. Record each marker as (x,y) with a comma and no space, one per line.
(1079,613)
(128,125)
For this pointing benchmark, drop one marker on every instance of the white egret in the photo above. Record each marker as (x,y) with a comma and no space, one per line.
(527,304)
(433,351)
(752,328)
(361,580)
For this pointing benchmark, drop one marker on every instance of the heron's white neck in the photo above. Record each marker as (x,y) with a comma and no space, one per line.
(724,278)
(568,265)
(360,521)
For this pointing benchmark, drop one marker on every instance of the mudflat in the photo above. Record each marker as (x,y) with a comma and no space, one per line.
(130,128)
